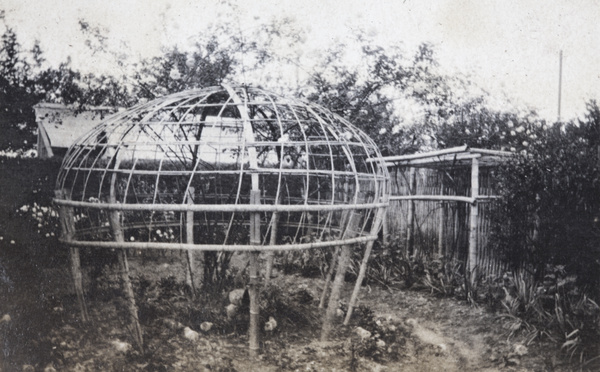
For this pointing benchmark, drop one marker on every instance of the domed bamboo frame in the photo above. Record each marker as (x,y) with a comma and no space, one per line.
(332,186)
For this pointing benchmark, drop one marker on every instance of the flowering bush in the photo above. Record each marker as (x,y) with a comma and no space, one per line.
(550,210)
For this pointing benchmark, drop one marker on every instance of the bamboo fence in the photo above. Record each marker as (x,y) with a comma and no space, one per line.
(435,212)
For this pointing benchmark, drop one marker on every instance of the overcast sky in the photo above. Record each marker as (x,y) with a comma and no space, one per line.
(508,47)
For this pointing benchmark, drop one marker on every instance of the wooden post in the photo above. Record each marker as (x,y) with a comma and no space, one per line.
(335,292)
(189,239)
(474,215)
(118,235)
(410,232)
(67,225)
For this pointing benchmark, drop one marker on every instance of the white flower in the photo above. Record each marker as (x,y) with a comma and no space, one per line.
(525,143)
(132,239)
(175,74)
(513,133)
(520,129)
(510,124)
(284,138)
(382,131)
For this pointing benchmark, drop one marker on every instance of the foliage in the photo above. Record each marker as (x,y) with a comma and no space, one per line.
(550,202)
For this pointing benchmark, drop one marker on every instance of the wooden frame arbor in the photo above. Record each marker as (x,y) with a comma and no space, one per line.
(471,161)
(228,169)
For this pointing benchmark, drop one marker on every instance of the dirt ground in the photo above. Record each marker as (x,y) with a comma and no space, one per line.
(393,330)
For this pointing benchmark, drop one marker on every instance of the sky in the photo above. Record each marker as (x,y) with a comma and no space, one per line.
(509,48)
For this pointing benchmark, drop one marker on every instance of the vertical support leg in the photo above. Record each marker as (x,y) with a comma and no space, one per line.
(335,292)
(272,241)
(410,233)
(474,216)
(441,232)
(78,282)
(253,287)
(361,276)
(67,231)
(334,261)
(117,230)
(189,238)
(130,299)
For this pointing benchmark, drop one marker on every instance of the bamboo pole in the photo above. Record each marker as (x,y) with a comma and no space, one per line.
(441,231)
(335,292)
(253,287)
(410,232)
(189,239)
(363,265)
(474,216)
(255,236)
(119,237)
(67,221)
(329,276)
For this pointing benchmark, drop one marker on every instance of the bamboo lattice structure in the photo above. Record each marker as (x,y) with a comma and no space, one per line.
(441,202)
(224,168)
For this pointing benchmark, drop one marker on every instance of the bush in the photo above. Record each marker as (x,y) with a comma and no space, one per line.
(550,208)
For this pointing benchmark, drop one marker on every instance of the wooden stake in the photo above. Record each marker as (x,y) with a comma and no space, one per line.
(67,226)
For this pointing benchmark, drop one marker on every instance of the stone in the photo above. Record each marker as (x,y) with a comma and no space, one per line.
(121,346)
(190,334)
(206,326)
(231,311)
(362,333)
(235,296)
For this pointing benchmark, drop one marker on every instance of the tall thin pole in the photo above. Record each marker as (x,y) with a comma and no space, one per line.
(559,83)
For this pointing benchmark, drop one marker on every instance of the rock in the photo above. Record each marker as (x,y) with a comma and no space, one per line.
(172,324)
(521,349)
(362,333)
(271,324)
(49,368)
(339,313)
(380,344)
(190,334)
(231,311)
(28,368)
(206,326)
(5,319)
(236,296)
(121,346)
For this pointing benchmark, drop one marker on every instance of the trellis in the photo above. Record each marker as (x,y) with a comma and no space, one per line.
(224,169)
(440,204)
